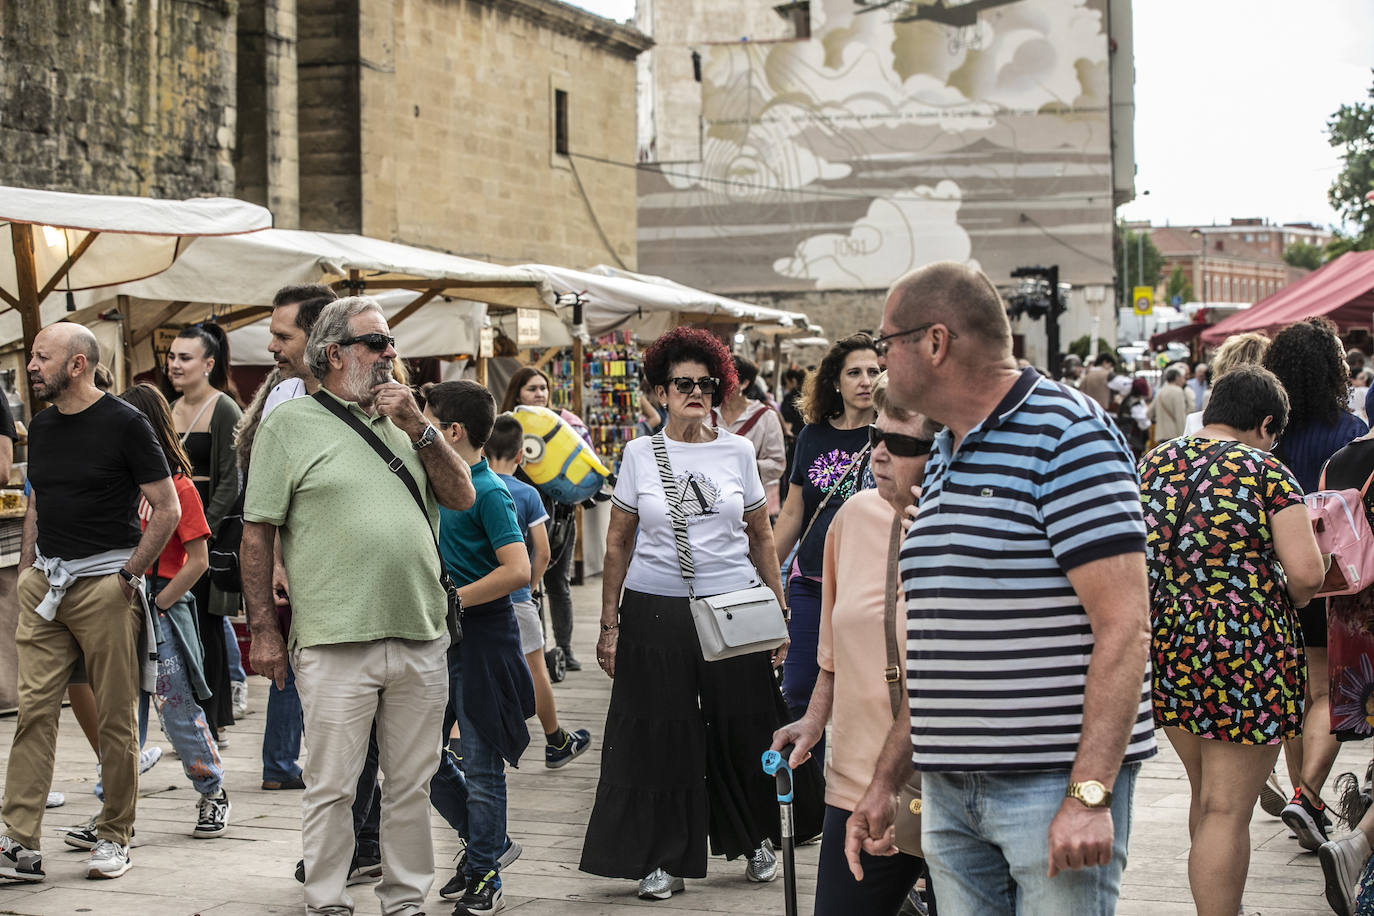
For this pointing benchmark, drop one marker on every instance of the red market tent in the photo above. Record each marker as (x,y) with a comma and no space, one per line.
(1342,291)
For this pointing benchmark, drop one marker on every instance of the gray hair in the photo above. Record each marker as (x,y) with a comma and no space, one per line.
(1172,374)
(332,327)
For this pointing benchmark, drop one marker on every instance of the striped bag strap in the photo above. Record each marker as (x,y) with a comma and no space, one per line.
(675,512)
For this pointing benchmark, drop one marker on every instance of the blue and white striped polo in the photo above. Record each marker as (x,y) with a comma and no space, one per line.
(998,643)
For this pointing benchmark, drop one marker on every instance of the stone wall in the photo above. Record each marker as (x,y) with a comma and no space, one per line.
(456,109)
(266,153)
(127,97)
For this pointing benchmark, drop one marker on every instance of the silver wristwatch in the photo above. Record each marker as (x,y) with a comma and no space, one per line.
(427,438)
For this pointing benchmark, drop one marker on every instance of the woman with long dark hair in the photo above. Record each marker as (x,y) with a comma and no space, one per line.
(826,470)
(205,415)
(1309,361)
(530,386)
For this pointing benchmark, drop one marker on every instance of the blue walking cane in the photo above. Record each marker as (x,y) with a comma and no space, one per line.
(775,765)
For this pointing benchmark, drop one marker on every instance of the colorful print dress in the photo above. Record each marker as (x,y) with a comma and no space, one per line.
(1226,649)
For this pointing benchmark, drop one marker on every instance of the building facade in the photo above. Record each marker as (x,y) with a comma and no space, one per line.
(808,162)
(491,128)
(1240,263)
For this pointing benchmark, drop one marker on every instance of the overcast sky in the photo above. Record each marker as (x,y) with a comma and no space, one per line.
(1232,98)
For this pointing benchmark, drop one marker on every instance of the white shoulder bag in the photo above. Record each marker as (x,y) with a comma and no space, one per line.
(730,624)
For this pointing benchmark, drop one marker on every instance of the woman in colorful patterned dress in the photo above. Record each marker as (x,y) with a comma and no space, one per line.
(1223,516)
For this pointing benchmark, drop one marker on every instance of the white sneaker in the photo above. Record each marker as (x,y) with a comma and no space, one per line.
(148,758)
(1342,862)
(238,695)
(108,860)
(55,800)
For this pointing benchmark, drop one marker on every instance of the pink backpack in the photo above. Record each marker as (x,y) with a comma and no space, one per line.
(1342,528)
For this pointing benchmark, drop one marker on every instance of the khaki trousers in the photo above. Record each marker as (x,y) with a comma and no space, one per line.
(97,621)
(404,685)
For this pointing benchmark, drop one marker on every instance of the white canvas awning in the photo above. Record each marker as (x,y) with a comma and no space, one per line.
(613,299)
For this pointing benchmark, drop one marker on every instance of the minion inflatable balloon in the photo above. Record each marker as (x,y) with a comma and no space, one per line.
(557,460)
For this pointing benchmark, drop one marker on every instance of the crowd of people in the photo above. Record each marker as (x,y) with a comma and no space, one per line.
(998,589)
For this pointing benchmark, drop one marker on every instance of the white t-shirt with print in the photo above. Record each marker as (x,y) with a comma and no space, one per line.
(717,482)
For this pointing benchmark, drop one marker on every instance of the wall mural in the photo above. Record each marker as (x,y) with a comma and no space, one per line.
(902,133)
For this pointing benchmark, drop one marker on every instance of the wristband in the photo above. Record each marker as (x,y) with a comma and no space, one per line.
(133,580)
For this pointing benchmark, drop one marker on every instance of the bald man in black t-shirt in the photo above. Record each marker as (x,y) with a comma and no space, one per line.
(80,565)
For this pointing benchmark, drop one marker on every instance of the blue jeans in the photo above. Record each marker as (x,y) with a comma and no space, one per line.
(985,836)
(231,649)
(183,719)
(281,734)
(473,799)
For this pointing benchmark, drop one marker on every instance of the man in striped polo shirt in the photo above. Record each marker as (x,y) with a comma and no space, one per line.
(1027,619)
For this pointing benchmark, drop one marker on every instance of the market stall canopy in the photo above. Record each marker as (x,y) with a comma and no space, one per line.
(1181,334)
(88,240)
(248,271)
(1342,291)
(61,241)
(612,299)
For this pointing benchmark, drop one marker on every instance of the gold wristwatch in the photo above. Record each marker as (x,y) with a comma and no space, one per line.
(1091,793)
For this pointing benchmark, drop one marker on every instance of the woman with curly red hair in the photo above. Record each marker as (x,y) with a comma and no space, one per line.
(683,736)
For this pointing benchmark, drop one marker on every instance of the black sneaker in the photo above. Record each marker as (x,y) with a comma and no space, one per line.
(364,870)
(212,817)
(19,863)
(1307,821)
(84,837)
(457,885)
(483,896)
(569,662)
(574,745)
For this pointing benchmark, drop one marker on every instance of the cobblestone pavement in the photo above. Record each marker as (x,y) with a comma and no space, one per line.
(248,871)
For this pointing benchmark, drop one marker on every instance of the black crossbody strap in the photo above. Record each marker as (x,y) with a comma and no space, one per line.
(393,463)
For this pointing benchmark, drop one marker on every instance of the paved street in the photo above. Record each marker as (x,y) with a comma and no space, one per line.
(248,871)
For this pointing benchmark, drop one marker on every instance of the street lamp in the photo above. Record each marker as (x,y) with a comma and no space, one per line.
(1202,255)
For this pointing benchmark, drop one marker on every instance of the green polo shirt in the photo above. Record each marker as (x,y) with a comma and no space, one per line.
(360,559)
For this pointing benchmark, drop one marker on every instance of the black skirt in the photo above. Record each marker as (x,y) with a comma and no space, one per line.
(681,759)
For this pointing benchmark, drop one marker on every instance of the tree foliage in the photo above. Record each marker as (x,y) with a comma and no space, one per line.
(1179,286)
(1128,258)
(1080,347)
(1303,254)
(1351,129)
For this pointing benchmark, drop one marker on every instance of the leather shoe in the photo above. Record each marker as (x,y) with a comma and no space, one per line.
(272,785)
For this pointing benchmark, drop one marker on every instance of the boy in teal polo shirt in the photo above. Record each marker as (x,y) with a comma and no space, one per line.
(490,691)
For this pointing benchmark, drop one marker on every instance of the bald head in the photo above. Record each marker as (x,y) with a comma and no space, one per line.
(64,359)
(955,295)
(72,339)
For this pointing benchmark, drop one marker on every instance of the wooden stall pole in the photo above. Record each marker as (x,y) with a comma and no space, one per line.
(126,333)
(26,273)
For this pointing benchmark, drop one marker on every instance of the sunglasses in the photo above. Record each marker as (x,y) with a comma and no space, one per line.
(684,385)
(900,445)
(884,343)
(374,342)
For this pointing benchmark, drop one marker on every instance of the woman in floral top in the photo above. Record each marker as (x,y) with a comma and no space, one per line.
(1230,554)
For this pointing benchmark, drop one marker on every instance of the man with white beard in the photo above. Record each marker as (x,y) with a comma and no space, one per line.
(368,635)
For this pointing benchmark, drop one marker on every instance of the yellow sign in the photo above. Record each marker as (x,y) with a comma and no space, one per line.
(1143,297)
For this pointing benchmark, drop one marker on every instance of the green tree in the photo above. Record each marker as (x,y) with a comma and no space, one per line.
(1080,347)
(1303,254)
(1351,129)
(1179,286)
(1128,261)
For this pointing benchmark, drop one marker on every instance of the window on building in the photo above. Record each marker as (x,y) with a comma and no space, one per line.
(1249,236)
(1263,236)
(560,122)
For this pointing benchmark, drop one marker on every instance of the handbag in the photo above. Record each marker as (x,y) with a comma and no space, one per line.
(907,824)
(453,616)
(730,624)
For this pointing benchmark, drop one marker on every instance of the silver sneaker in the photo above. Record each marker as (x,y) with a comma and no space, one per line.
(18,862)
(659,885)
(1342,862)
(238,698)
(108,860)
(763,864)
